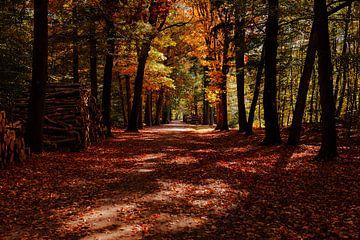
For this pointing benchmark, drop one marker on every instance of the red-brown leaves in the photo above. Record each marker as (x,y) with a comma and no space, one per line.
(176,182)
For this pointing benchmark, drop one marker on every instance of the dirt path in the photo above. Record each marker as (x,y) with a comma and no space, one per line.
(182,182)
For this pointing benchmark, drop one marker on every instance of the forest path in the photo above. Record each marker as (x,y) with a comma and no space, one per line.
(182,182)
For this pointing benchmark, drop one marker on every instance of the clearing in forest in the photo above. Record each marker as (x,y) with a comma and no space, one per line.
(183,182)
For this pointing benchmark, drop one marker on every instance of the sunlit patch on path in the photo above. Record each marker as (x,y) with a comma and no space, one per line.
(182,182)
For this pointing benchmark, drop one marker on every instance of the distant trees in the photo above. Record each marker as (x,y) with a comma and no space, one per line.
(213,66)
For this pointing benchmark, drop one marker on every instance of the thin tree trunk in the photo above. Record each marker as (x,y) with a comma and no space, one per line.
(159,106)
(345,64)
(272,130)
(34,126)
(260,69)
(212,120)
(295,129)
(148,109)
(328,149)
(225,70)
(122,101)
(140,118)
(75,42)
(239,40)
(311,112)
(128,96)
(106,100)
(93,60)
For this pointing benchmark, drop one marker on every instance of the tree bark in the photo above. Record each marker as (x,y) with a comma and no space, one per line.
(272,130)
(206,105)
(328,149)
(140,117)
(148,109)
(106,100)
(295,129)
(93,60)
(34,127)
(260,69)
(239,40)
(159,105)
(122,101)
(345,64)
(75,43)
(128,96)
(139,80)
(224,126)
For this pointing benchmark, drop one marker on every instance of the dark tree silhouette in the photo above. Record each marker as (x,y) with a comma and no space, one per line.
(106,100)
(34,127)
(272,130)
(328,150)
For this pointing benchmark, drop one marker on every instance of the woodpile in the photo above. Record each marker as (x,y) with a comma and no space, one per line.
(12,143)
(72,119)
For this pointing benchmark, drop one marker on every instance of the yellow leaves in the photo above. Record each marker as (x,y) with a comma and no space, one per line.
(213,94)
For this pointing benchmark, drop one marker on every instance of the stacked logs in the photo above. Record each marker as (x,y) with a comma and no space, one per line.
(12,144)
(72,118)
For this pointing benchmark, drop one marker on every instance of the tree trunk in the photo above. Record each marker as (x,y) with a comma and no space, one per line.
(206,105)
(139,80)
(272,130)
(328,149)
(140,118)
(159,105)
(225,70)
(122,101)
(93,60)
(311,112)
(295,129)
(75,42)
(239,41)
(128,96)
(165,113)
(345,64)
(212,118)
(249,129)
(34,126)
(106,100)
(148,109)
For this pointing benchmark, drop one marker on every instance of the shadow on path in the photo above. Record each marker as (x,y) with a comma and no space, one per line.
(181,182)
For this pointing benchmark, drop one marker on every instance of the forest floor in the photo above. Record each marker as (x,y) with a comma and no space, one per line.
(184,182)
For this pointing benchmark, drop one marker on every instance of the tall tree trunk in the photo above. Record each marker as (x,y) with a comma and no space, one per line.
(159,105)
(93,60)
(239,41)
(106,100)
(75,42)
(219,116)
(139,80)
(148,109)
(206,105)
(34,126)
(311,112)
(211,120)
(260,68)
(165,112)
(128,96)
(295,129)
(140,118)
(344,62)
(272,130)
(328,149)
(122,101)
(225,70)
